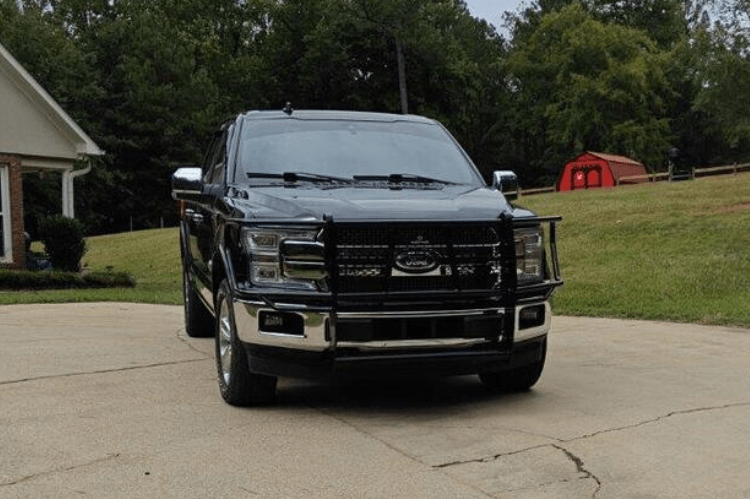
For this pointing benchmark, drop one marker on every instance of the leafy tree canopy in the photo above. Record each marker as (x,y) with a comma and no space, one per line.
(150,79)
(595,86)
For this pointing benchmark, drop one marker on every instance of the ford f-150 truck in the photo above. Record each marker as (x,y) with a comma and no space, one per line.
(326,243)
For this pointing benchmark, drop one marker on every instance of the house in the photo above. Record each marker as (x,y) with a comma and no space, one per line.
(594,169)
(35,135)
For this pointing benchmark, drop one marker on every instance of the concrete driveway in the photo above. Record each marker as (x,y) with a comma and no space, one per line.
(112,400)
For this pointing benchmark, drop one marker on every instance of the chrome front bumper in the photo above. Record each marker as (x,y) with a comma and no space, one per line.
(319,331)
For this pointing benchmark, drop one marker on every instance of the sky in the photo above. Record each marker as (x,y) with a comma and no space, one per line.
(492,10)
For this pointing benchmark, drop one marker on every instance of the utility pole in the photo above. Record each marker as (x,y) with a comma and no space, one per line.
(402,77)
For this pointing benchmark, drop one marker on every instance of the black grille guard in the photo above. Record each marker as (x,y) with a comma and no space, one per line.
(506,293)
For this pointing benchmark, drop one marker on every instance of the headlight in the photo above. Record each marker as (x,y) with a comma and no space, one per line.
(529,254)
(285,257)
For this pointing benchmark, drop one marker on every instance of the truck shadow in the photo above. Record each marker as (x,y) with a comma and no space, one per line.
(402,394)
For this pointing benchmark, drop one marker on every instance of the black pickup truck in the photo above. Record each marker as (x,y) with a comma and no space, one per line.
(326,243)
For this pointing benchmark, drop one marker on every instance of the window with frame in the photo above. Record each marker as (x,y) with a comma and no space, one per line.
(5,229)
(213,169)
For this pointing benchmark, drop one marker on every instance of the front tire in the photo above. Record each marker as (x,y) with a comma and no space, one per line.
(199,323)
(516,380)
(238,386)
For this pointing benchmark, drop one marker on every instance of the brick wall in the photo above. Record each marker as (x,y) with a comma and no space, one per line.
(16,208)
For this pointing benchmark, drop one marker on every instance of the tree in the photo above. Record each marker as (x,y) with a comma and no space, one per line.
(663,21)
(724,78)
(592,86)
(342,54)
(150,79)
(170,74)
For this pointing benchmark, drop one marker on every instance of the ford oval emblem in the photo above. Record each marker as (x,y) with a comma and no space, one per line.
(416,262)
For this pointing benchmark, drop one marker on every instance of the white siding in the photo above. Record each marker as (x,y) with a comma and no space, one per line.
(26,128)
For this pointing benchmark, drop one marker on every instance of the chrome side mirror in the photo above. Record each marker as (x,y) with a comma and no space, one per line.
(187,183)
(506,182)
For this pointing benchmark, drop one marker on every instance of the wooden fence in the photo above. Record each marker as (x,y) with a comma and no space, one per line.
(657,177)
(651,177)
(721,170)
(540,190)
(693,174)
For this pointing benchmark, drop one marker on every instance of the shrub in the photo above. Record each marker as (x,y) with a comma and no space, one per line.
(28,280)
(63,242)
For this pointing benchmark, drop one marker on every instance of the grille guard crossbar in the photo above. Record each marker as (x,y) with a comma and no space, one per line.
(506,293)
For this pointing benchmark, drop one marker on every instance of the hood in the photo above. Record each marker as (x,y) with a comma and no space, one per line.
(448,203)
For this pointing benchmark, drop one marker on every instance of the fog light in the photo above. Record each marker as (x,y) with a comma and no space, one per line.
(281,323)
(531,317)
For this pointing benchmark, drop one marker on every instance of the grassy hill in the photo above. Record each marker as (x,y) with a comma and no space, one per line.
(152,257)
(675,252)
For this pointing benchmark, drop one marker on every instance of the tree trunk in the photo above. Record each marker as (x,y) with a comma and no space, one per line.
(402,77)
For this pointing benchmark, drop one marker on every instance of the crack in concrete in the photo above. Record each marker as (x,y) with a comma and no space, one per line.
(581,468)
(495,457)
(108,457)
(656,420)
(390,446)
(488,459)
(577,461)
(102,371)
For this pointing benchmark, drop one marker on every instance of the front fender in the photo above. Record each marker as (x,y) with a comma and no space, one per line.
(227,258)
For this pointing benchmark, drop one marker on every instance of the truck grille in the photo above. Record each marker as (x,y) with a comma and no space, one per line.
(402,258)
(418,328)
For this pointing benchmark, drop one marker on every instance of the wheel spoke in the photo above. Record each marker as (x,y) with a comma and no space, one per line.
(225,343)
(186,291)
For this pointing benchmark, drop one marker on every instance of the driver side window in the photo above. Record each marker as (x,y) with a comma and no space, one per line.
(215,162)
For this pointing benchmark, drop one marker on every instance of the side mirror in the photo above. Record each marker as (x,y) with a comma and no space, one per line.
(506,182)
(187,183)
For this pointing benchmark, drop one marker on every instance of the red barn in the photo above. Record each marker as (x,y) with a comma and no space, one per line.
(594,169)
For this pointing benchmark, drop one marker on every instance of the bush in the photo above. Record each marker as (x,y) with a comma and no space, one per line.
(31,280)
(63,242)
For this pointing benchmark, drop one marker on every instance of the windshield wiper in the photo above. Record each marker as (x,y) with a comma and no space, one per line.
(397,178)
(299,176)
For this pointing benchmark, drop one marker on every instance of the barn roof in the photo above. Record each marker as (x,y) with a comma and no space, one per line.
(614,158)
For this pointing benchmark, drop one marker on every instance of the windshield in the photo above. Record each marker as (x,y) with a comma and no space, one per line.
(352,148)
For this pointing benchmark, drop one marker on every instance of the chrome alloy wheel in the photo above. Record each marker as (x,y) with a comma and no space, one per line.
(238,385)
(226,348)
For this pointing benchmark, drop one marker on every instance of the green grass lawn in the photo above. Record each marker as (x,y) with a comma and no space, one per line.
(675,252)
(152,257)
